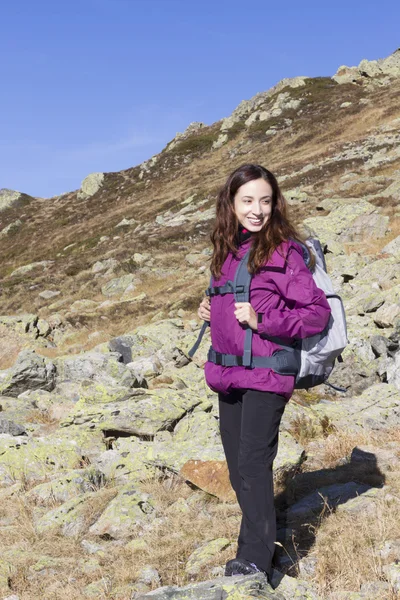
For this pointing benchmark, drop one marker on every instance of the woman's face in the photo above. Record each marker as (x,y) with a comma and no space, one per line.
(253,204)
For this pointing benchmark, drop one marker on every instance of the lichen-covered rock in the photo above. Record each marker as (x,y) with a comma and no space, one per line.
(125,514)
(24,269)
(70,517)
(34,459)
(149,575)
(376,408)
(145,368)
(364,227)
(393,248)
(332,229)
(95,368)
(68,486)
(229,588)
(118,285)
(126,461)
(143,415)
(30,371)
(206,552)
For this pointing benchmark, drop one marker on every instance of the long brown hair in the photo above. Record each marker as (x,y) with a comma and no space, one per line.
(277,229)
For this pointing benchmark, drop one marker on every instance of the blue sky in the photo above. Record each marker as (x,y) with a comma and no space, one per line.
(101,85)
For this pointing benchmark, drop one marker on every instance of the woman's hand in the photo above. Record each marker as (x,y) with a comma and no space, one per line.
(245,314)
(204,311)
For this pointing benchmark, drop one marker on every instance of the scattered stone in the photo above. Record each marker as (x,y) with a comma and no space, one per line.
(48,294)
(387,315)
(11,228)
(25,269)
(118,285)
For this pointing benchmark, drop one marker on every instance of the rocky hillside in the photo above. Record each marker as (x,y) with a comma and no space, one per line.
(112,474)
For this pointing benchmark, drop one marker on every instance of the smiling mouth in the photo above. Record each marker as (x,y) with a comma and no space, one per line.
(256,221)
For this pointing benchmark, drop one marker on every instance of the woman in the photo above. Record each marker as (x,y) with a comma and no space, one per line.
(284,303)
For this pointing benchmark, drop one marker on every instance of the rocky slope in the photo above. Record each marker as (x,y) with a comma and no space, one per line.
(112,474)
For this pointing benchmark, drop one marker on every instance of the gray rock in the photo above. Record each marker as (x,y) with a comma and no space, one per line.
(43,264)
(387,315)
(48,294)
(389,551)
(373,590)
(11,428)
(29,372)
(90,185)
(393,248)
(392,572)
(118,285)
(364,227)
(149,575)
(379,345)
(334,495)
(249,586)
(376,408)
(125,514)
(364,504)
(124,349)
(11,228)
(308,566)
(95,367)
(13,199)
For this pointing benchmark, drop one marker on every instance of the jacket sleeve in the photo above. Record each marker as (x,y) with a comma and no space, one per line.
(305,310)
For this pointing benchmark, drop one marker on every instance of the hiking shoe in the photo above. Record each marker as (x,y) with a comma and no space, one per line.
(241,566)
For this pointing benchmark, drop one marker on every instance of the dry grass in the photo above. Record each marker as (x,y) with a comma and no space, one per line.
(341,544)
(172,538)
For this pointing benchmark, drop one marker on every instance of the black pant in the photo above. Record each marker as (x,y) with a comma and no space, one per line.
(249,426)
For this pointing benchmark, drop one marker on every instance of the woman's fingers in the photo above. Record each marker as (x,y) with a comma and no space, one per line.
(245,314)
(204,309)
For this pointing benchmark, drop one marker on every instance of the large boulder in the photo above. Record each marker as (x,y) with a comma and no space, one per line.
(29,372)
(95,368)
(378,72)
(90,185)
(332,229)
(13,199)
(34,459)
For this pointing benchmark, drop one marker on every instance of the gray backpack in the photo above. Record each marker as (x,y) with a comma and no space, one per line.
(311,359)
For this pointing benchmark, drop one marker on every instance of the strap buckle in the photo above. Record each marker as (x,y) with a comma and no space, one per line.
(218,358)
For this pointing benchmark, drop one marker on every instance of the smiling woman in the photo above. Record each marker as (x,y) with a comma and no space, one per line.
(283,302)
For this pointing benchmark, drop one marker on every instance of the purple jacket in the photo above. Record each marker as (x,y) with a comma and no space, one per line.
(292,307)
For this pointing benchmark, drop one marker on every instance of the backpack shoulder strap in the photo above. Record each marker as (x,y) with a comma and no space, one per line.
(242,294)
(206,324)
